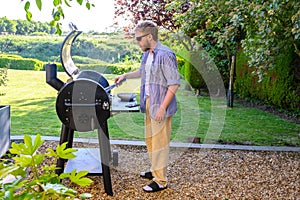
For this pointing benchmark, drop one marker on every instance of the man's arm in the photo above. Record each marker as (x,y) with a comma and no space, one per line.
(160,114)
(134,74)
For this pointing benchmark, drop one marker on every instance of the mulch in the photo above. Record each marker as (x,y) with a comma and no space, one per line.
(201,174)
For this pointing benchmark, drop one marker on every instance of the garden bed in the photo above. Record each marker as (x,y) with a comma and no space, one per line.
(202,174)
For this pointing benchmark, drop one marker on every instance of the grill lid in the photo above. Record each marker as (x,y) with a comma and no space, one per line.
(65,54)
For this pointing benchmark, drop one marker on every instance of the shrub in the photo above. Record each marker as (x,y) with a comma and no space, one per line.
(192,74)
(276,87)
(43,184)
(17,62)
(181,63)
(3,76)
(39,34)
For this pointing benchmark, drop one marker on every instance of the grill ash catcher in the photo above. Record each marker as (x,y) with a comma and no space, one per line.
(83,104)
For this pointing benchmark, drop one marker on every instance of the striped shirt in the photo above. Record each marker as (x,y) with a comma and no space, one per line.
(163,72)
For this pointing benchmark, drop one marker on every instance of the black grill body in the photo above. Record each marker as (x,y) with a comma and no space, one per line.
(83,104)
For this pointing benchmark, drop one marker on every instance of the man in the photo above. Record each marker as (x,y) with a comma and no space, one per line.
(159,82)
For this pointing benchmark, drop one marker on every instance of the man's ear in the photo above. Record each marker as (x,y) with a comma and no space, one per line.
(151,37)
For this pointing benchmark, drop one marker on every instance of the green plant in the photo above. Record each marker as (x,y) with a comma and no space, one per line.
(3,76)
(17,62)
(36,180)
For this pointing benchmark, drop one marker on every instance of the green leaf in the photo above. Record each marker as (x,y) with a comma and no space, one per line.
(67,3)
(61,147)
(51,153)
(56,16)
(27,148)
(27,6)
(24,161)
(38,159)
(58,30)
(7,170)
(88,5)
(56,2)
(37,142)
(64,175)
(28,15)
(26,196)
(64,153)
(60,10)
(80,1)
(17,148)
(28,144)
(39,4)
(49,178)
(52,23)
(19,172)
(49,167)
(77,178)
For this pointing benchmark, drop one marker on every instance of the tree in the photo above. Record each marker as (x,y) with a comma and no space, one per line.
(262,29)
(259,27)
(271,26)
(214,26)
(156,10)
(8,26)
(57,12)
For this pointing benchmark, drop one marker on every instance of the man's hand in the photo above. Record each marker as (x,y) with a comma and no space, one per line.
(160,114)
(120,79)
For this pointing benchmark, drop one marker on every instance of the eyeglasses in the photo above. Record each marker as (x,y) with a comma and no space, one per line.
(139,38)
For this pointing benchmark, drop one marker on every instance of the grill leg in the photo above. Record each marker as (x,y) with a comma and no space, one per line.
(105,157)
(66,135)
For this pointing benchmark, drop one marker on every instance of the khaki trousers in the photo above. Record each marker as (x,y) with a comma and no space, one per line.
(157,136)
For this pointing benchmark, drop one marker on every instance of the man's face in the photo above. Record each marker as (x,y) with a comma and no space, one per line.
(143,40)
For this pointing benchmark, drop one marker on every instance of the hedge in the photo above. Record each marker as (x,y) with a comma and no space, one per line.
(276,88)
(11,61)
(102,68)
(18,62)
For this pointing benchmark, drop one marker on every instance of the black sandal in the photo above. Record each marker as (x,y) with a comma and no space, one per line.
(153,187)
(147,175)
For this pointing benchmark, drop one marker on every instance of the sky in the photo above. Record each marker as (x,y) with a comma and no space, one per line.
(99,18)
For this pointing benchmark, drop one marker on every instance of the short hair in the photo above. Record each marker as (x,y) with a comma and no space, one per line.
(146,27)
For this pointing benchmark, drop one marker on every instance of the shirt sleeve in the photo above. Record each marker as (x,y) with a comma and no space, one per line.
(170,68)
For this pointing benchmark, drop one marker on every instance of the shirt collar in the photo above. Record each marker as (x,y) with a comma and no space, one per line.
(157,46)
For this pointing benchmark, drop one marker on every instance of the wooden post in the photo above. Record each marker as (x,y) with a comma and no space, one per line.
(231,82)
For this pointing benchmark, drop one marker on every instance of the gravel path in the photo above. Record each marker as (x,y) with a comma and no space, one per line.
(203,174)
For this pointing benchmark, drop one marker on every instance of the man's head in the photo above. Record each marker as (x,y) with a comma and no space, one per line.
(146,34)
(148,27)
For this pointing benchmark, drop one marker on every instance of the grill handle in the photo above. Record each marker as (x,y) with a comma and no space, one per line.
(82,105)
(109,88)
(51,76)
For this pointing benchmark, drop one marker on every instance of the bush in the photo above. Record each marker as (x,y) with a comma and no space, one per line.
(276,88)
(34,179)
(17,62)
(181,63)
(192,74)
(3,76)
(39,34)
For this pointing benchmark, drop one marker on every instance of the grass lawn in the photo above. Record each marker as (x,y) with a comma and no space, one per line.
(32,103)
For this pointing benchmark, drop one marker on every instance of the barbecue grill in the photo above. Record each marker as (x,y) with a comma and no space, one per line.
(84,103)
